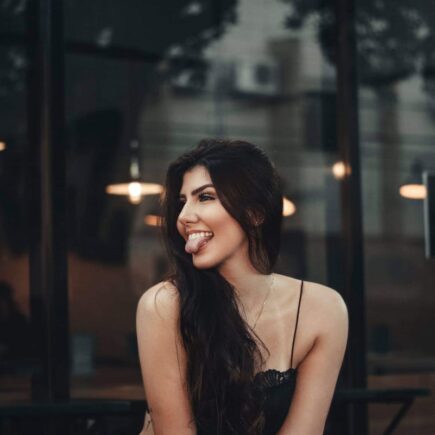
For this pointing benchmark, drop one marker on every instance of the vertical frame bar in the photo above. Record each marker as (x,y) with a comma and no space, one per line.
(429,214)
(354,367)
(47,200)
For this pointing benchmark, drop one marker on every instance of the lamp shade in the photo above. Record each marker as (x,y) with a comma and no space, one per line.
(413,187)
(134,188)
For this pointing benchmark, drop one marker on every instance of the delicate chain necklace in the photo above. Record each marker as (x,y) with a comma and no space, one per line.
(262,306)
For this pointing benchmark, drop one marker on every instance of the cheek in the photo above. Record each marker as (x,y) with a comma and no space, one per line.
(228,229)
(236,235)
(217,219)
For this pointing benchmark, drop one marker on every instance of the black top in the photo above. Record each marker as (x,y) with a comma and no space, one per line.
(278,392)
(277,387)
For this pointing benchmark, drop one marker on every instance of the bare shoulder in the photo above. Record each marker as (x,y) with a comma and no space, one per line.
(315,298)
(323,297)
(326,305)
(161,299)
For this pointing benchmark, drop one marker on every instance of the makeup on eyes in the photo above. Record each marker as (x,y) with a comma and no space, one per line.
(197,190)
(206,194)
(210,195)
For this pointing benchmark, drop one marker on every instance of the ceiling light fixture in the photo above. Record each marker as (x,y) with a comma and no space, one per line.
(413,188)
(135,189)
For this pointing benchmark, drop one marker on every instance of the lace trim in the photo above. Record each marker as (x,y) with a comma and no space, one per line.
(272,378)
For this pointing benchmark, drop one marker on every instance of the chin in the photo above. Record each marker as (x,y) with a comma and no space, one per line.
(199,263)
(207,261)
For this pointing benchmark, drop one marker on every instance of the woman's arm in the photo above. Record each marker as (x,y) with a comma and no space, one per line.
(318,372)
(163,362)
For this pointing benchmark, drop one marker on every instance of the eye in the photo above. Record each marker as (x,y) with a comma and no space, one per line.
(205,195)
(202,197)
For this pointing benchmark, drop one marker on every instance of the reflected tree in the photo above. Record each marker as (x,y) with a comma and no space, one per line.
(135,46)
(172,34)
(172,30)
(394,39)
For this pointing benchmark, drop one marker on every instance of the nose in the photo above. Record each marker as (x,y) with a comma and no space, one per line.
(188,214)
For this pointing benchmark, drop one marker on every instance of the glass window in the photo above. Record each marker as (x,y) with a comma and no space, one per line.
(13,17)
(16,352)
(155,28)
(396,136)
(255,78)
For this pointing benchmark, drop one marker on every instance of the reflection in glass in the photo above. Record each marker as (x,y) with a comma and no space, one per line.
(17,361)
(234,70)
(395,66)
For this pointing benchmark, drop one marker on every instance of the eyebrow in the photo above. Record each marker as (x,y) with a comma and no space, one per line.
(197,190)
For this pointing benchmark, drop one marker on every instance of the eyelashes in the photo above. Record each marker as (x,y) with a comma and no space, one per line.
(201,197)
(205,195)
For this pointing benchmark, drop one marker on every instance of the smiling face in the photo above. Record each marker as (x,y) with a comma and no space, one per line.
(203,211)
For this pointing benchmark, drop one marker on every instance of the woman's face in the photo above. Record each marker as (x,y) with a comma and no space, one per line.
(203,211)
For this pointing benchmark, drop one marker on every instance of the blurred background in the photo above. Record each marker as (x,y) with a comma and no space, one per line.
(96,98)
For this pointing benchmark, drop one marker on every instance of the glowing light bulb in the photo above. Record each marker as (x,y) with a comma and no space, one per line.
(134,192)
(413,191)
(288,207)
(340,170)
(153,220)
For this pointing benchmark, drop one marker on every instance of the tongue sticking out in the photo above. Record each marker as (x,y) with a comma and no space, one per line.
(193,246)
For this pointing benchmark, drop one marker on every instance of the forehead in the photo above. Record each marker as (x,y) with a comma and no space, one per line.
(195,177)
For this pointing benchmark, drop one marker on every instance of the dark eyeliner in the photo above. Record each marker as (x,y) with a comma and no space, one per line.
(209,195)
(206,194)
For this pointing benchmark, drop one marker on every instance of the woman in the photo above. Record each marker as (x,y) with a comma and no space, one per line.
(217,339)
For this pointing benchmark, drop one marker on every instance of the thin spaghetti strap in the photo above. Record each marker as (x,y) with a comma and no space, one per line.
(296,325)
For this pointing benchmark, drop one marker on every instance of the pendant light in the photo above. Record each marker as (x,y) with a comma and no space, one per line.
(413,188)
(135,189)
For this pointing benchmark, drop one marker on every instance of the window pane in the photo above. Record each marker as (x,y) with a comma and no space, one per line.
(16,352)
(153,27)
(13,16)
(396,136)
(260,80)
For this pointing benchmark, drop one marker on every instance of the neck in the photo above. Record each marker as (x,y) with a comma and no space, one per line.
(251,287)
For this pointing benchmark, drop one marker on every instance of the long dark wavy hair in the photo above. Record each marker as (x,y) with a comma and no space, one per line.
(222,354)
